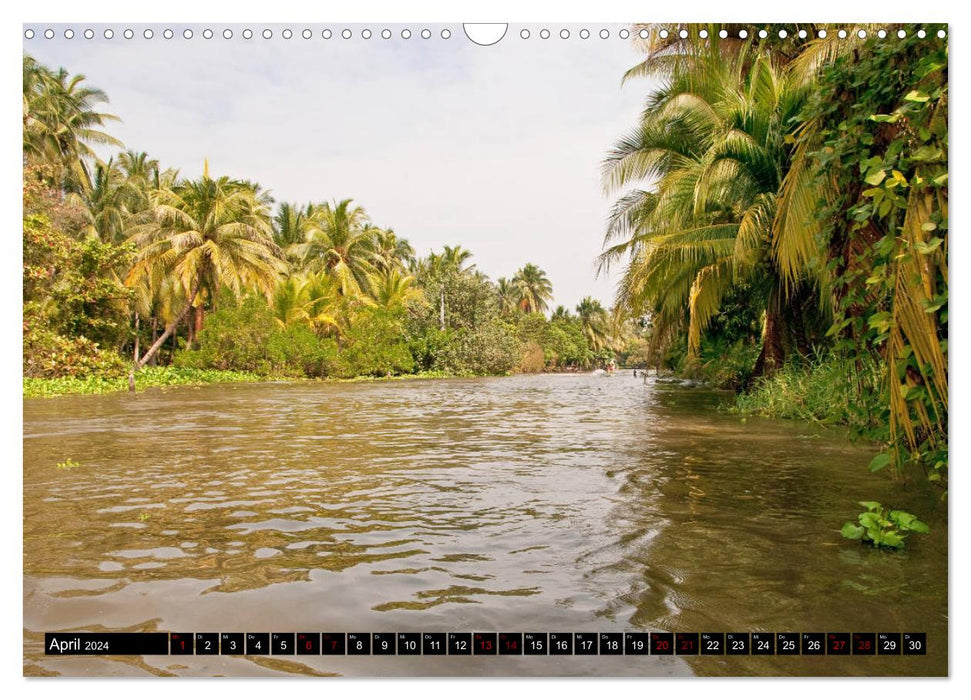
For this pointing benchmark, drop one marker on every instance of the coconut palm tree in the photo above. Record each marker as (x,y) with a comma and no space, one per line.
(104,204)
(158,298)
(533,287)
(289,301)
(141,172)
(339,241)
(456,258)
(289,224)
(508,297)
(392,288)
(451,259)
(207,233)
(593,322)
(391,251)
(119,193)
(61,123)
(713,144)
(327,310)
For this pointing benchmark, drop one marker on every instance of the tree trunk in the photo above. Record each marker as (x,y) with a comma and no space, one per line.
(772,355)
(200,316)
(135,354)
(162,338)
(441,312)
(154,359)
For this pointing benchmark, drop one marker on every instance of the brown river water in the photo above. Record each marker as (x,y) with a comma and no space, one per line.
(574,503)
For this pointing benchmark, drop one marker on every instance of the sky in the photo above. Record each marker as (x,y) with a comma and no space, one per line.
(495,148)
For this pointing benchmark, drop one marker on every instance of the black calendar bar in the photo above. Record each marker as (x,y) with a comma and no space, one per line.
(485,643)
(106,643)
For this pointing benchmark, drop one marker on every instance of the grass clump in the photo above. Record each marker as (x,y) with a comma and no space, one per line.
(831,390)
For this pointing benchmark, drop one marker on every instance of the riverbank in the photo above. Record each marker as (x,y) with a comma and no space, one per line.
(147,377)
(823,392)
(181,376)
(186,376)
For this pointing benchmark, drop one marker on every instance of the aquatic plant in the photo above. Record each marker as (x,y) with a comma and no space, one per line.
(883,527)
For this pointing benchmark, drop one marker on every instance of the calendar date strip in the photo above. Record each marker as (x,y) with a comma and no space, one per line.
(485,643)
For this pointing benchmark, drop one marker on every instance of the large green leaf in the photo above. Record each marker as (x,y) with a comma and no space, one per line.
(876,464)
(851,531)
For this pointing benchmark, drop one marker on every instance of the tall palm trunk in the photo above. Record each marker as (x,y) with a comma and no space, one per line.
(154,359)
(772,355)
(162,338)
(135,354)
(200,314)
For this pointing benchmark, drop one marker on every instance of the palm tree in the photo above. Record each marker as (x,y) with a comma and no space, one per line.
(561,313)
(104,204)
(325,308)
(208,233)
(140,174)
(533,287)
(456,258)
(392,288)
(713,139)
(451,259)
(61,122)
(900,250)
(339,241)
(593,322)
(158,297)
(290,223)
(289,301)
(508,297)
(391,251)
(119,193)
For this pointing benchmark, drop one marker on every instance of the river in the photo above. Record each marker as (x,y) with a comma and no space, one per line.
(572,502)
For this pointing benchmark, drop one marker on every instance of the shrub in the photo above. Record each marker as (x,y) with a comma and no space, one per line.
(49,355)
(235,337)
(565,345)
(427,345)
(489,349)
(533,359)
(297,350)
(376,345)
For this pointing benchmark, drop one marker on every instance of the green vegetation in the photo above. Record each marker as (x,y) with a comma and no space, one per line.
(882,527)
(780,222)
(148,377)
(824,389)
(782,225)
(135,274)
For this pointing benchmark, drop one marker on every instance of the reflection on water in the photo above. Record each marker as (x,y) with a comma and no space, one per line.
(530,503)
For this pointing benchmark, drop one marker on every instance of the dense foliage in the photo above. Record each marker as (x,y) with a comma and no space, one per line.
(129,266)
(782,223)
(882,152)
